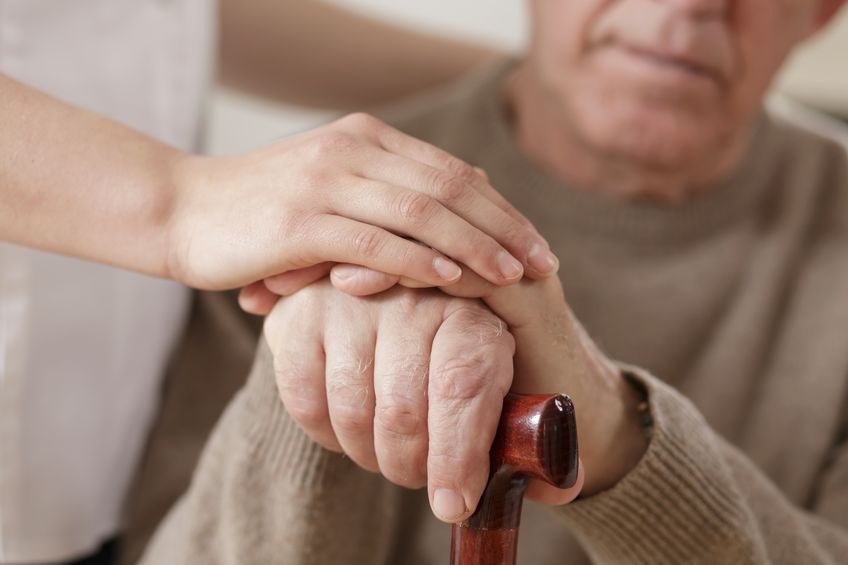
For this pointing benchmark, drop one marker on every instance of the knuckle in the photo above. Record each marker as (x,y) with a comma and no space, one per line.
(463,171)
(514,231)
(363,121)
(416,207)
(451,189)
(400,418)
(488,246)
(279,329)
(461,379)
(408,300)
(484,325)
(424,308)
(351,420)
(368,243)
(347,389)
(401,430)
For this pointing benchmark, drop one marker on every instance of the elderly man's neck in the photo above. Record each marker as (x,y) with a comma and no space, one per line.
(547,138)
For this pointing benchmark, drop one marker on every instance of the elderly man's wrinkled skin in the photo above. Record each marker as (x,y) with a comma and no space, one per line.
(648,99)
(651,97)
(408,383)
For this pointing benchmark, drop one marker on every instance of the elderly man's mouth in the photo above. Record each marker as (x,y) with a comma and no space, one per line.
(681,64)
(655,65)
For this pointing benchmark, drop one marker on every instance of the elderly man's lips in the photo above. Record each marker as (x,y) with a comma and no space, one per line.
(669,35)
(648,67)
(683,64)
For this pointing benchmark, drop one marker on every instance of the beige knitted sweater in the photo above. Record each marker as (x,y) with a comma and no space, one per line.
(733,307)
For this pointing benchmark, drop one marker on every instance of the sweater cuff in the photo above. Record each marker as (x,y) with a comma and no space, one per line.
(676,506)
(272,435)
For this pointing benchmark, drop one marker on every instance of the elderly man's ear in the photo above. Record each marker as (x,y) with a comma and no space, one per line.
(827,9)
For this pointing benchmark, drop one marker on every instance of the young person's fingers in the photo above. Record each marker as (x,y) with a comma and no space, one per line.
(343,240)
(464,193)
(460,233)
(360,281)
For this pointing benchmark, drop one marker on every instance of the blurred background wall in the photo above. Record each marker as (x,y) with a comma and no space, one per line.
(817,76)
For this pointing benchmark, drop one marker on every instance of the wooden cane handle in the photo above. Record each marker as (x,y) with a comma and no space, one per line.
(536,439)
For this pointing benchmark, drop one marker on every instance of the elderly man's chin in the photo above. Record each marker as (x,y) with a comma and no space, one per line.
(669,118)
(656,135)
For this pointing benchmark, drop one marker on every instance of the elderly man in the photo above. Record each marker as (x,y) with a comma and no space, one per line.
(703,247)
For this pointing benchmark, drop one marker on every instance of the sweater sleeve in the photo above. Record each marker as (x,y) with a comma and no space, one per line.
(263,493)
(694,498)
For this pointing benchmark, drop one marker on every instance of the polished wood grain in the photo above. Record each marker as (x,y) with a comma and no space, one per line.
(536,439)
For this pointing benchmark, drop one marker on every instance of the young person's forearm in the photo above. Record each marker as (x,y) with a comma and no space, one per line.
(75,183)
(312,53)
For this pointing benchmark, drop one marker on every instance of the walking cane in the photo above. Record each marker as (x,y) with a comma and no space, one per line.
(536,439)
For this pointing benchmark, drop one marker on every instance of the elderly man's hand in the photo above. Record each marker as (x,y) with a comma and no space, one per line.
(409,383)
(553,354)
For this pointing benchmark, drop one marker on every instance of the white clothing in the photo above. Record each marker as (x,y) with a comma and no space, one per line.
(83,346)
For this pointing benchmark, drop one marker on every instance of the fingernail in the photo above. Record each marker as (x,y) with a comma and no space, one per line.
(447,270)
(448,505)
(509,267)
(542,260)
(344,272)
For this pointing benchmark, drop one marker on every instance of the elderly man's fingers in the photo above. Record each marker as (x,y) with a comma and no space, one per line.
(288,283)
(296,343)
(349,347)
(470,373)
(401,366)
(256,299)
